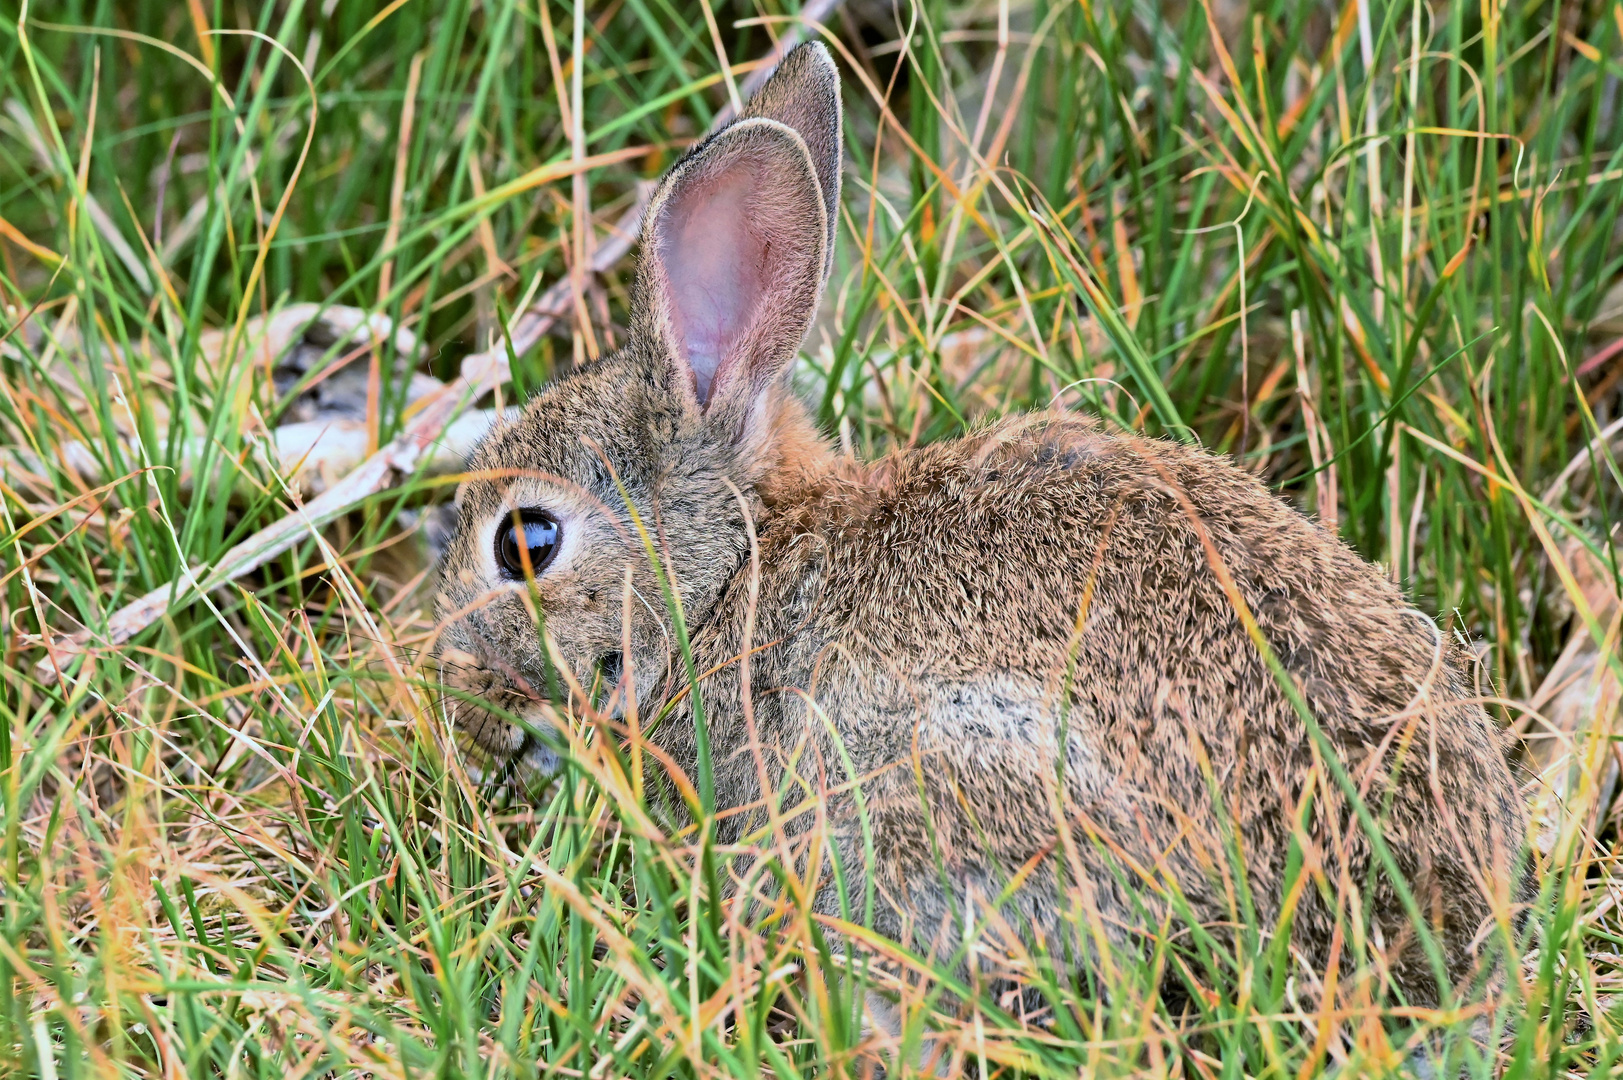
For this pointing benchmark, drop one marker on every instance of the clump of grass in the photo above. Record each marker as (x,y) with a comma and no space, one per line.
(1372,250)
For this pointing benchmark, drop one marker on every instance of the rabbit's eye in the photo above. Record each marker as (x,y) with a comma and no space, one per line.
(528,536)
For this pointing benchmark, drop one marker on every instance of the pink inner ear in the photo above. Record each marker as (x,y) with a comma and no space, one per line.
(715,265)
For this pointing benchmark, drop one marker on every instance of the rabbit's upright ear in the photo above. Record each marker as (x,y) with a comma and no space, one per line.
(736,241)
(804,93)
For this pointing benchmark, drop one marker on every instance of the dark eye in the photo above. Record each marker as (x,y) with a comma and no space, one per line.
(527,534)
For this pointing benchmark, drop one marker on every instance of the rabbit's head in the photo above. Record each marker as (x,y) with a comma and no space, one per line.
(667,443)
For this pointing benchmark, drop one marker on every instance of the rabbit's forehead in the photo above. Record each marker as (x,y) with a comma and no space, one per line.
(575,445)
(551,436)
(562,443)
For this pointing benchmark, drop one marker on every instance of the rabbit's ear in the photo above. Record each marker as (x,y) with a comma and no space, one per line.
(804,93)
(732,266)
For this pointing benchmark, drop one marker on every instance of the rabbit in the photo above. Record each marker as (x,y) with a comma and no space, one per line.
(908,643)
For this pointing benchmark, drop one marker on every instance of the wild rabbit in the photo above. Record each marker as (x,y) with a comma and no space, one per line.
(932,627)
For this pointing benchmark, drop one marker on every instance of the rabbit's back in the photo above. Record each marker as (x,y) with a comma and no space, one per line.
(957,611)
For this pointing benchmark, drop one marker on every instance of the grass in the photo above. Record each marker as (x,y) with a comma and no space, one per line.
(1374,251)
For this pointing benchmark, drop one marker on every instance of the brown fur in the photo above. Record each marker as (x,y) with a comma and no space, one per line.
(929,604)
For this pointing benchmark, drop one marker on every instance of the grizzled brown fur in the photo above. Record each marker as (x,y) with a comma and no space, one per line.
(965,615)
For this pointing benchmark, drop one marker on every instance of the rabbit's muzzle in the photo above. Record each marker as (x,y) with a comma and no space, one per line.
(480,705)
